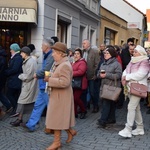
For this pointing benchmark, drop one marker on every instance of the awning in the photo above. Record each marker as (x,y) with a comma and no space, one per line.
(18,10)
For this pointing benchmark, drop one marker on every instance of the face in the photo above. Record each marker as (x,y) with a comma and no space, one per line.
(102,47)
(107,55)
(44,48)
(85,44)
(131,49)
(12,52)
(23,55)
(136,53)
(56,55)
(77,56)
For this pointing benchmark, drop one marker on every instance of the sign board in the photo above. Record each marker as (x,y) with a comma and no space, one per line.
(17,14)
(133,25)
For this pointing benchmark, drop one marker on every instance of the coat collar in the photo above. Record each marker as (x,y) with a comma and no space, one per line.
(26,60)
(64,59)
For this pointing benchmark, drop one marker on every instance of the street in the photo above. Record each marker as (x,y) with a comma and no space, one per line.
(89,137)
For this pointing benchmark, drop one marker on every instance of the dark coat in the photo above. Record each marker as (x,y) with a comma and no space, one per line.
(13,71)
(79,70)
(125,57)
(3,66)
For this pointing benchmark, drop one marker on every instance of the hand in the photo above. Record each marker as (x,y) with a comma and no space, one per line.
(46,78)
(94,78)
(34,76)
(123,82)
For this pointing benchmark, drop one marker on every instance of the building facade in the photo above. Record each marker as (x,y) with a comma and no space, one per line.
(120,21)
(29,21)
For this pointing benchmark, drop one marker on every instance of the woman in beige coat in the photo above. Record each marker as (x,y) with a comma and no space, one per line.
(60,112)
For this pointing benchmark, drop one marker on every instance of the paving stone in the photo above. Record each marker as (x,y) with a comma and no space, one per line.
(89,137)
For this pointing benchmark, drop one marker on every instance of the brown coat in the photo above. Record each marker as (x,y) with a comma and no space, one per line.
(60,112)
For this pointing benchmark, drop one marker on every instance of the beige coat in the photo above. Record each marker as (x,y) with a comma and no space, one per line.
(29,84)
(60,112)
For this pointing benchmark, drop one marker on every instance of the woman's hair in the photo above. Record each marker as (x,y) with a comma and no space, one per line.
(80,51)
(117,48)
(111,50)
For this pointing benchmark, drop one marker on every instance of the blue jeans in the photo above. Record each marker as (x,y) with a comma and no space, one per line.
(108,111)
(94,88)
(40,103)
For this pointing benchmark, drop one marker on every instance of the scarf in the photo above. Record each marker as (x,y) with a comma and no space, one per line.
(138,59)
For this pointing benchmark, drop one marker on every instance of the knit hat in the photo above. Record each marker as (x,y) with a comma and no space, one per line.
(15,47)
(141,50)
(111,50)
(32,47)
(60,47)
(26,50)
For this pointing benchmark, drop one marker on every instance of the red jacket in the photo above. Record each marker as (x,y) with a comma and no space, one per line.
(79,69)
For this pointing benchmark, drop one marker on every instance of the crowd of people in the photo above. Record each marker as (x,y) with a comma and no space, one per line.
(69,81)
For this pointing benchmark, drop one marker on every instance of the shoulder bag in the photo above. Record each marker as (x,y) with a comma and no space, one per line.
(77,82)
(139,90)
(111,92)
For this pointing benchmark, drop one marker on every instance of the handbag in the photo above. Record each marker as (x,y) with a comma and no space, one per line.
(139,90)
(77,82)
(111,92)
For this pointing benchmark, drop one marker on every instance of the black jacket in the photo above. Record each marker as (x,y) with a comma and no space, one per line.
(13,71)
(3,67)
(125,57)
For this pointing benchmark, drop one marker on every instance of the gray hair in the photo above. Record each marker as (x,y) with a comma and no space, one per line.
(48,41)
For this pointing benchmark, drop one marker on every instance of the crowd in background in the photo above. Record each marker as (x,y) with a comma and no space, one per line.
(22,84)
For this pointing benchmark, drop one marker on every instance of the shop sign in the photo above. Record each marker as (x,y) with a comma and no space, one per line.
(133,25)
(17,14)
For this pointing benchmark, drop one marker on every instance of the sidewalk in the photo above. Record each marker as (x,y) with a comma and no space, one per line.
(89,137)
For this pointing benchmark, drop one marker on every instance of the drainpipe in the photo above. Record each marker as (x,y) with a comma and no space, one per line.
(99,23)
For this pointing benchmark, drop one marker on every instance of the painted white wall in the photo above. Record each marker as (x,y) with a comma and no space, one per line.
(123,10)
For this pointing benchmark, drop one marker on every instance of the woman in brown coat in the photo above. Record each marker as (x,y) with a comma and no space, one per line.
(60,112)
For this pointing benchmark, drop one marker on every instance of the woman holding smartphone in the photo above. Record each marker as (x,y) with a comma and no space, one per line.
(108,72)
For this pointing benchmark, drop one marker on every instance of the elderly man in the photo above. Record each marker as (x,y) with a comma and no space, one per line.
(92,58)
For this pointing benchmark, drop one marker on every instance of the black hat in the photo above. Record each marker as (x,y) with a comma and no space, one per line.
(55,38)
(26,50)
(32,47)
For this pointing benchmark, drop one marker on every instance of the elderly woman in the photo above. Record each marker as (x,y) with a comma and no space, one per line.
(108,72)
(60,112)
(29,85)
(136,71)
(79,70)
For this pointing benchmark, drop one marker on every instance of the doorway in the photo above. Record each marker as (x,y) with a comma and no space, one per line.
(12,33)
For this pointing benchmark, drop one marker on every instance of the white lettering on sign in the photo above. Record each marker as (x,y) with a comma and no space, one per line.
(12,14)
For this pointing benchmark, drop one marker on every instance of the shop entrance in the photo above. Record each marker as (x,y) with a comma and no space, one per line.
(12,33)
